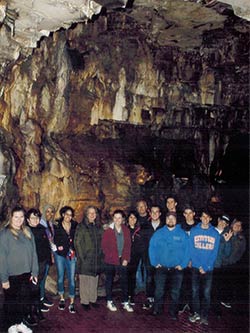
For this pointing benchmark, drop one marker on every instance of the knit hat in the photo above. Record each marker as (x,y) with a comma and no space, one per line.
(225,218)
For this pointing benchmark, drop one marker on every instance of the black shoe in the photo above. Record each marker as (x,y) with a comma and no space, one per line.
(40,316)
(61,305)
(156,313)
(46,302)
(183,308)
(94,305)
(131,300)
(44,308)
(173,315)
(148,305)
(86,307)
(30,321)
(72,308)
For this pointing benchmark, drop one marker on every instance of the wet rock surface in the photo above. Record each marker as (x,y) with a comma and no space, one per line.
(101,114)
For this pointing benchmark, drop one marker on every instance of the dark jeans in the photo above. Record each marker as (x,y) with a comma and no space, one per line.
(17,299)
(110,271)
(132,269)
(217,290)
(186,288)
(150,278)
(175,277)
(42,278)
(201,291)
(235,283)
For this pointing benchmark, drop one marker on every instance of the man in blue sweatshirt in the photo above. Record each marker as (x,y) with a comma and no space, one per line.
(204,245)
(169,254)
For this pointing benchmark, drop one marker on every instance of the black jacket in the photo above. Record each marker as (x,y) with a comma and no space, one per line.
(61,238)
(147,232)
(137,245)
(42,243)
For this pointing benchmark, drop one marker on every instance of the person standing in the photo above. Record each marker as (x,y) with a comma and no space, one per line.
(143,219)
(136,253)
(18,269)
(147,232)
(187,224)
(87,243)
(169,254)
(224,251)
(234,267)
(48,221)
(65,255)
(43,253)
(204,245)
(116,246)
(142,210)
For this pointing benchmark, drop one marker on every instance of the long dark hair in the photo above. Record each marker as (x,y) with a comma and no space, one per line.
(63,210)
(132,212)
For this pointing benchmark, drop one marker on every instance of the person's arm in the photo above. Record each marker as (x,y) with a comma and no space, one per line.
(127,247)
(58,239)
(186,253)
(35,267)
(153,251)
(4,277)
(209,265)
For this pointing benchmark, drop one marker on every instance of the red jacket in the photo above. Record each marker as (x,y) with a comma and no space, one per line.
(109,246)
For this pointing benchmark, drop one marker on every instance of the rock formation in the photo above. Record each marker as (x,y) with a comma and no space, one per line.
(133,103)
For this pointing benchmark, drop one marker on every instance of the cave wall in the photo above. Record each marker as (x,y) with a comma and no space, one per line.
(78,111)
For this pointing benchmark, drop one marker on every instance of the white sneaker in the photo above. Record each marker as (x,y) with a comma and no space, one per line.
(13,329)
(128,307)
(111,306)
(23,328)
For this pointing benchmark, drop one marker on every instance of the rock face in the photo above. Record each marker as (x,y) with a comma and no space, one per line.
(101,114)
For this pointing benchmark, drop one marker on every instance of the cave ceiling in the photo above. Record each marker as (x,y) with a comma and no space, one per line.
(165,22)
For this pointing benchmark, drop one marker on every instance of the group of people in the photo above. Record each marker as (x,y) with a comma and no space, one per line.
(196,258)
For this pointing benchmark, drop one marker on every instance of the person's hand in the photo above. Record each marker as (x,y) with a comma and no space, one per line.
(190,264)
(53,247)
(178,267)
(158,266)
(6,285)
(124,263)
(201,270)
(228,235)
(35,279)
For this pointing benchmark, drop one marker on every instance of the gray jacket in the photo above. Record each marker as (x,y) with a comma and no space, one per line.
(17,256)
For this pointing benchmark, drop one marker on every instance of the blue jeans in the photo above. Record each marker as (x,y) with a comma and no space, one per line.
(140,276)
(175,277)
(43,281)
(63,264)
(110,271)
(201,291)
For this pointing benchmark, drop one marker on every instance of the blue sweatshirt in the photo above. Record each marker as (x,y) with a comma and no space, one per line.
(204,245)
(169,248)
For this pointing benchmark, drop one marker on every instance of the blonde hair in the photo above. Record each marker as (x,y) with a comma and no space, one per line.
(24,229)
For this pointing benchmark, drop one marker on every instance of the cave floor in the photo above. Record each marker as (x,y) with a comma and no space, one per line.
(102,320)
